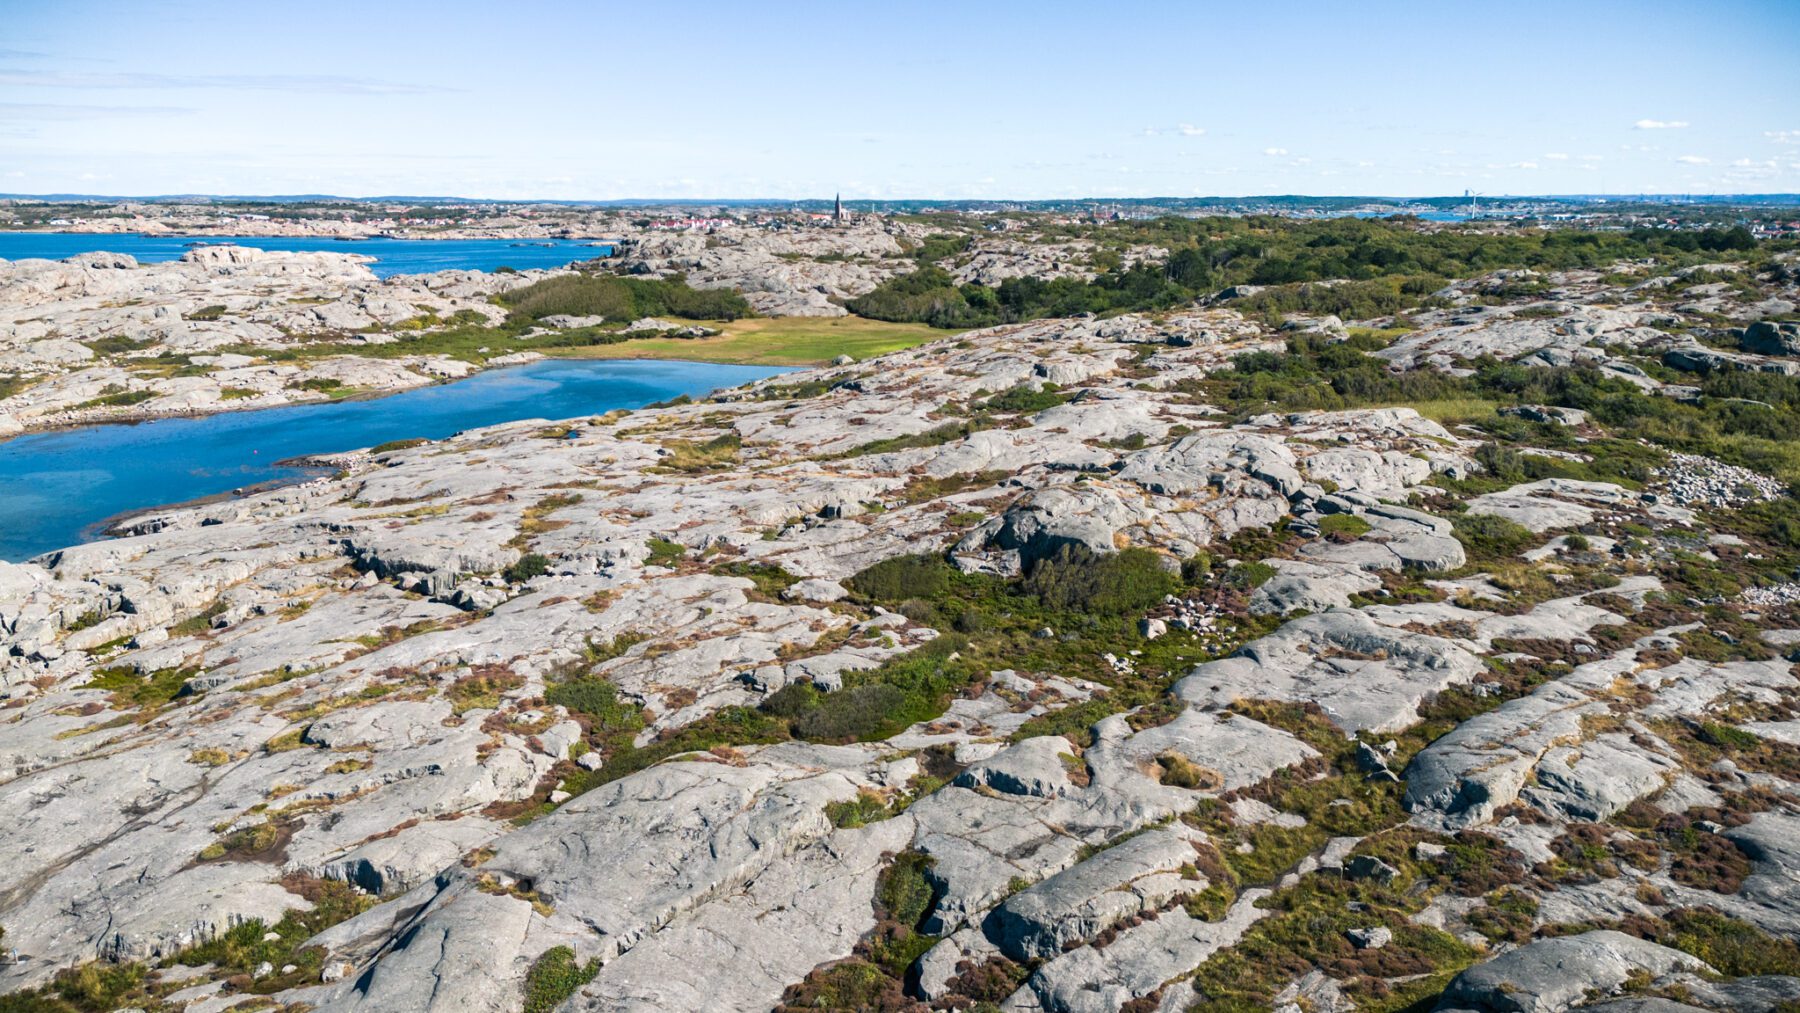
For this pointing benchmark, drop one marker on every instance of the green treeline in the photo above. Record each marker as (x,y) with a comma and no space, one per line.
(1374,267)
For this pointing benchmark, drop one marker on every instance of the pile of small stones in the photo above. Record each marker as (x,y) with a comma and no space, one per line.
(1692,480)
(1774,595)
(1189,614)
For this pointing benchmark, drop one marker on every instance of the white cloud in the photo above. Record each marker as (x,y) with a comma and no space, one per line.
(1274,151)
(1660,124)
(1557,156)
(1694,160)
(1745,163)
(1593,158)
(317,83)
(1523,165)
(1189,130)
(1783,136)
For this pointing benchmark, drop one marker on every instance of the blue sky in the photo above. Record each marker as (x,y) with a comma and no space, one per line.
(923,99)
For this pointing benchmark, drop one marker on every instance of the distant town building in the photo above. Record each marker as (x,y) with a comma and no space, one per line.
(689,224)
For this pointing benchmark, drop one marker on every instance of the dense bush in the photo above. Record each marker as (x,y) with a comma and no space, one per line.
(621,299)
(792,700)
(880,702)
(851,714)
(1351,300)
(1743,419)
(903,577)
(929,295)
(1076,579)
(939,245)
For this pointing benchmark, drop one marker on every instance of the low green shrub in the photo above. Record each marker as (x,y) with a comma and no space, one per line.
(1343,527)
(1026,400)
(554,977)
(770,580)
(1249,576)
(529,565)
(665,553)
(598,700)
(1488,538)
(393,445)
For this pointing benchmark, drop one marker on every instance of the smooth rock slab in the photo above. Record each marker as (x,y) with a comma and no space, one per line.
(802,911)
(1544,504)
(1365,675)
(1137,963)
(1032,767)
(1551,975)
(1079,903)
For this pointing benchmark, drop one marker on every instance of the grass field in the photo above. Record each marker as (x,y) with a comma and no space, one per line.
(1449,411)
(778,341)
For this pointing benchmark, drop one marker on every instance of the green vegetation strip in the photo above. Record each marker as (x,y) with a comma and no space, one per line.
(1376,267)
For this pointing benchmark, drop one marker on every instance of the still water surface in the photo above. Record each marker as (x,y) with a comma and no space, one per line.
(57,487)
(392,256)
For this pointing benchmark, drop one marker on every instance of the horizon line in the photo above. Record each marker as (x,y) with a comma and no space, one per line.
(68,196)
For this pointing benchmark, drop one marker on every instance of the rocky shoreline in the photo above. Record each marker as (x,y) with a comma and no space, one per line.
(1056,666)
(99,337)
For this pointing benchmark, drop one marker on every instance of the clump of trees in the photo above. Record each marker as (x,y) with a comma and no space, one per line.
(623,299)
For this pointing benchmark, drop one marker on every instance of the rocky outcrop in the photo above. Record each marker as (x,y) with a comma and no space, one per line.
(1363,674)
(1577,334)
(1552,975)
(1765,337)
(340,683)
(199,313)
(806,272)
(1142,874)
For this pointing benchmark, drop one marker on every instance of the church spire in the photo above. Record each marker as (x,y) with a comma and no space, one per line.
(837,208)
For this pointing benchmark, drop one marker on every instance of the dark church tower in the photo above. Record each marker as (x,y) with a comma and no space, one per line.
(837,209)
